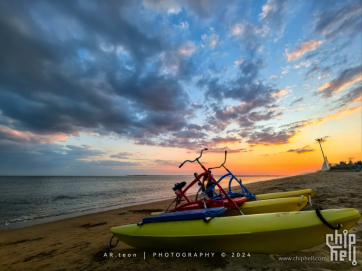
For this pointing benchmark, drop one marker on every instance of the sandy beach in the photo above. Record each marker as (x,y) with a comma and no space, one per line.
(80,243)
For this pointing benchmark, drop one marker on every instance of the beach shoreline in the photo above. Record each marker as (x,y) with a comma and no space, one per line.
(81,242)
(53,218)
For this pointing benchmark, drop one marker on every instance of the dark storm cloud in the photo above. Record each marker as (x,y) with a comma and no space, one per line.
(187,143)
(65,68)
(189,134)
(191,140)
(52,159)
(245,88)
(297,101)
(240,115)
(194,127)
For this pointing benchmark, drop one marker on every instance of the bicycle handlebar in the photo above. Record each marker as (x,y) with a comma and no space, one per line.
(193,160)
(221,164)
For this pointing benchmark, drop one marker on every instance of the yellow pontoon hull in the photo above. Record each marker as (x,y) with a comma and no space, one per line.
(267,206)
(262,233)
(294,193)
(270,206)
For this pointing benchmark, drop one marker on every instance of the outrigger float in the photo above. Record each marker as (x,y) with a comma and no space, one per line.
(201,228)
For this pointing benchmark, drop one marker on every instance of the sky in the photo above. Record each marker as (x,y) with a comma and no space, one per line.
(137,87)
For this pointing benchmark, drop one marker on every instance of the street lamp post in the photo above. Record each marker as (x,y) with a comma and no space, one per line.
(319,140)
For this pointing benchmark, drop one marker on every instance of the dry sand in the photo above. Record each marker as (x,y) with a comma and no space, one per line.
(80,243)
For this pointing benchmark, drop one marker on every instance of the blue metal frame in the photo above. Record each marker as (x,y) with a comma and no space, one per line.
(244,191)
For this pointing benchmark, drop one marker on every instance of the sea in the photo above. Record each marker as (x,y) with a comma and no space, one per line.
(41,199)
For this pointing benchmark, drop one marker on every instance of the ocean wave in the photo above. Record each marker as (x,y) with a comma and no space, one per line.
(61,197)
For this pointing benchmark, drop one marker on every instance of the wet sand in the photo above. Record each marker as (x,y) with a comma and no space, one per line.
(80,243)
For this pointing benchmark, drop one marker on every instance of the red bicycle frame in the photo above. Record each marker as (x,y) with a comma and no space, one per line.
(182,194)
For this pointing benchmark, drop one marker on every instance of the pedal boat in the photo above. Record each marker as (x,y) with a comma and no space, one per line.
(262,233)
(246,201)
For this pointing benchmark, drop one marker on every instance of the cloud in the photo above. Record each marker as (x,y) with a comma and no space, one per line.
(297,101)
(281,92)
(331,22)
(242,115)
(269,136)
(317,69)
(222,150)
(194,127)
(251,39)
(108,163)
(345,78)
(187,48)
(81,152)
(355,94)
(302,150)
(197,106)
(79,83)
(190,139)
(273,13)
(273,76)
(238,29)
(301,49)
(124,155)
(339,114)
(26,136)
(219,140)
(54,159)
(305,64)
(211,40)
(239,62)
(246,88)
(67,69)
(173,163)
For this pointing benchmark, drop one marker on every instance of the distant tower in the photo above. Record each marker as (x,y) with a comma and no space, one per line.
(326,165)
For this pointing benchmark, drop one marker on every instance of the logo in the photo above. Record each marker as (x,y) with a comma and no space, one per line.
(342,246)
